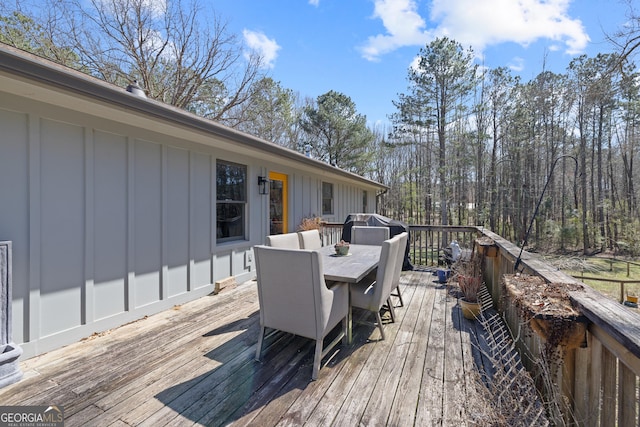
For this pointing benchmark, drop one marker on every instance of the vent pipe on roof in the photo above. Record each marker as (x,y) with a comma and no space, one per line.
(135,89)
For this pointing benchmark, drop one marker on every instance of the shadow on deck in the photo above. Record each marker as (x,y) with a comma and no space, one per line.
(195,364)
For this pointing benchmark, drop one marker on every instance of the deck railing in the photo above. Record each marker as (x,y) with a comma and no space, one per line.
(597,382)
(425,241)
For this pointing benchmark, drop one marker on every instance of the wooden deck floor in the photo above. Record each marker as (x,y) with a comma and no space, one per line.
(195,365)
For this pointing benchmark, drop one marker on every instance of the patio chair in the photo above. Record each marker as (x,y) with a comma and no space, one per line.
(310,239)
(402,245)
(372,296)
(363,235)
(295,299)
(285,241)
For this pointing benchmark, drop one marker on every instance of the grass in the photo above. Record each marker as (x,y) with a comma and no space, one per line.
(426,255)
(615,270)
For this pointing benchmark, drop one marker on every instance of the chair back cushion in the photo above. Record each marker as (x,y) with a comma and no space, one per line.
(287,241)
(402,245)
(386,271)
(369,235)
(310,239)
(291,290)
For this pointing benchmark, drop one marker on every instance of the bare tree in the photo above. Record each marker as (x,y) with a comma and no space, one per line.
(19,29)
(179,52)
(627,39)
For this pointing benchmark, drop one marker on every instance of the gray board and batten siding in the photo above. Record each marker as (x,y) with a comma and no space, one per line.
(109,200)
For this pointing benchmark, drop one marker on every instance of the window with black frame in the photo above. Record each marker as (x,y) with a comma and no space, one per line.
(327,198)
(231,201)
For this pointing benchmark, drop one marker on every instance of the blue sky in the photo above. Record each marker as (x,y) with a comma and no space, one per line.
(363,48)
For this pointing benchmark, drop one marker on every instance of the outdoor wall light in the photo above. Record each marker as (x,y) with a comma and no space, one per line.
(263,185)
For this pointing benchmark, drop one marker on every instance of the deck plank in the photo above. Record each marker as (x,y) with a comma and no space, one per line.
(194,364)
(299,398)
(337,389)
(355,403)
(154,369)
(454,397)
(379,406)
(430,404)
(136,343)
(403,410)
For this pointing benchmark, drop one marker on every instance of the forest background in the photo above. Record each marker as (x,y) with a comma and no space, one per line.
(467,145)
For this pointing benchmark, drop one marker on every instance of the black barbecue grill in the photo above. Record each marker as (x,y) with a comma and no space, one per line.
(376,220)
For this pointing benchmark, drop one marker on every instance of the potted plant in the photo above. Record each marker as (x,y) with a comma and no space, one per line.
(469,279)
(342,248)
(310,223)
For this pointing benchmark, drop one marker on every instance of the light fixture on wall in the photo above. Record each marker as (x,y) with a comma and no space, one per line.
(263,185)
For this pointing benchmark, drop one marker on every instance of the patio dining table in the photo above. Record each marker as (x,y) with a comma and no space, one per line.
(351,268)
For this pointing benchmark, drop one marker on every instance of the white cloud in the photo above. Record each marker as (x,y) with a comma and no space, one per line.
(157,7)
(477,23)
(267,48)
(517,64)
(405,27)
(480,23)
(415,64)
(314,2)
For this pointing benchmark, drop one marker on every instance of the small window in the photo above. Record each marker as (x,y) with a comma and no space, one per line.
(327,198)
(231,201)
(365,198)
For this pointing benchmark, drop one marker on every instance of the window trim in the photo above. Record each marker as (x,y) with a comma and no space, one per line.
(244,203)
(365,201)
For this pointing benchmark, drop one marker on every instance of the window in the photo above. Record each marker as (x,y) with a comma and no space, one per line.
(365,199)
(231,200)
(327,198)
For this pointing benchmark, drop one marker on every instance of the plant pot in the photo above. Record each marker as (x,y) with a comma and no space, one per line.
(470,310)
(342,250)
(443,275)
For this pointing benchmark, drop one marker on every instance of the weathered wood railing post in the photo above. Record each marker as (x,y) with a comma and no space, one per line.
(9,351)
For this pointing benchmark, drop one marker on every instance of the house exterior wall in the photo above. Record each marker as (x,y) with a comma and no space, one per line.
(111,221)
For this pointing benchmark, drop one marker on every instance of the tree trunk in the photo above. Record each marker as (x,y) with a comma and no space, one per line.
(600,179)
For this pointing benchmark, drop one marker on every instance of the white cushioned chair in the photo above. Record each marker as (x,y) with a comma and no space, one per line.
(294,298)
(373,295)
(310,239)
(287,241)
(363,235)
